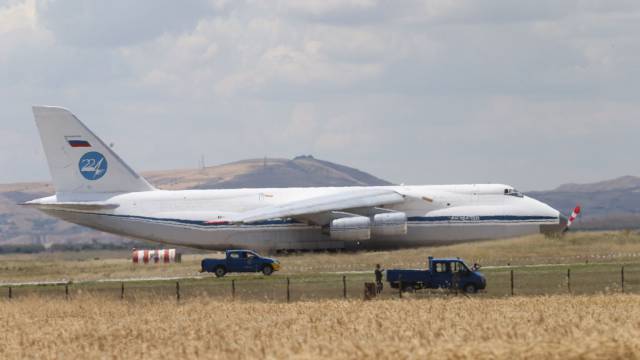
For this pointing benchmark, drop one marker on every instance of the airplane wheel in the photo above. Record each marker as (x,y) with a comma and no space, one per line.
(267,270)
(220,271)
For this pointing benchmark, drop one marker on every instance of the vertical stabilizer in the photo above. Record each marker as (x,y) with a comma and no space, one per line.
(80,163)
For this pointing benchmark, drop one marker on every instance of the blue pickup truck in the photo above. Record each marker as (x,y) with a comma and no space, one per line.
(240,261)
(441,274)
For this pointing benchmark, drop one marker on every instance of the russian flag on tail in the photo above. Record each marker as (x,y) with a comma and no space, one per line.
(79,143)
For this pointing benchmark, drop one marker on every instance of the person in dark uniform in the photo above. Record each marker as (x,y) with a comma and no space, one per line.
(378,273)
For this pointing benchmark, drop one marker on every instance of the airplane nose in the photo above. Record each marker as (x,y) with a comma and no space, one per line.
(555,229)
(563,221)
(552,228)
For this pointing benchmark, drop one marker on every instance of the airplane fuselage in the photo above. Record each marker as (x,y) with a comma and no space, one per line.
(96,188)
(198,218)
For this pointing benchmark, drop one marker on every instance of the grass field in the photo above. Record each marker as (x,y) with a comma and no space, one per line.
(329,276)
(555,327)
(575,248)
(593,278)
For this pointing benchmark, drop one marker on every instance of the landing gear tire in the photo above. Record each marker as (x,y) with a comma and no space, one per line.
(267,270)
(220,271)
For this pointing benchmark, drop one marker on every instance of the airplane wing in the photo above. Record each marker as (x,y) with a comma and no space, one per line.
(307,208)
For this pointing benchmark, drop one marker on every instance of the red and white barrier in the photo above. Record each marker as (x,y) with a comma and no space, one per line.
(163,256)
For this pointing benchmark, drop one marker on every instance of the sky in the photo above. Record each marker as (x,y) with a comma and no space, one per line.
(532,94)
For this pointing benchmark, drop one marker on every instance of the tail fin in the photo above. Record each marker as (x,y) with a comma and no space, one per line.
(80,163)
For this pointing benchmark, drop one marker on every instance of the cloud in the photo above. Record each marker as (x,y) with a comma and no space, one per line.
(94,23)
(414,91)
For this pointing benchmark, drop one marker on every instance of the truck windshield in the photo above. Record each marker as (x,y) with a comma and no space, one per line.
(459,266)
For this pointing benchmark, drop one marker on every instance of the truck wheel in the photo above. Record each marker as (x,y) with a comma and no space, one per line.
(267,270)
(408,288)
(220,271)
(470,289)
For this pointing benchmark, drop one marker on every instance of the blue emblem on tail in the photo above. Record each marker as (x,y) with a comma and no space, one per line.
(93,165)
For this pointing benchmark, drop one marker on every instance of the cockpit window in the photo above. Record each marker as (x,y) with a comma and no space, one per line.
(513,192)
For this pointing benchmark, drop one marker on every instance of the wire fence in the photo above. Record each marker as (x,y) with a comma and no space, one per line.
(501,282)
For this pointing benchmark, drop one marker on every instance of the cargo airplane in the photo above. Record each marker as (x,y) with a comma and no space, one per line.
(96,188)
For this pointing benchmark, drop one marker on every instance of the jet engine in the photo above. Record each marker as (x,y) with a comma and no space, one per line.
(351,228)
(389,224)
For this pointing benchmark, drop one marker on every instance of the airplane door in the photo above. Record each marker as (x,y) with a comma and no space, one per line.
(475,196)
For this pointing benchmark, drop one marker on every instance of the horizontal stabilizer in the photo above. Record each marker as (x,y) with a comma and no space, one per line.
(72,206)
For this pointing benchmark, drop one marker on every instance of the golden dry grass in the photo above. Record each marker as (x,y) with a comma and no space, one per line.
(457,328)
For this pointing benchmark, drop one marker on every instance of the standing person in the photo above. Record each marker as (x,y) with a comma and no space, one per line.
(378,273)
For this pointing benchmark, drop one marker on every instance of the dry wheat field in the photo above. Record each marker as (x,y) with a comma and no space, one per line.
(585,327)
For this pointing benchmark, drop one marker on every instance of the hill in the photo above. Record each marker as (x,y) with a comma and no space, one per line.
(26,229)
(621,183)
(302,171)
(611,204)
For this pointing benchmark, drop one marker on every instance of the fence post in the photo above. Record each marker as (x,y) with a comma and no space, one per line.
(233,289)
(10,292)
(66,291)
(511,282)
(178,290)
(122,291)
(288,290)
(344,286)
(569,280)
(622,278)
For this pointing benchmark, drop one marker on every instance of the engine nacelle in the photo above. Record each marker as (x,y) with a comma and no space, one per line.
(351,228)
(389,224)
